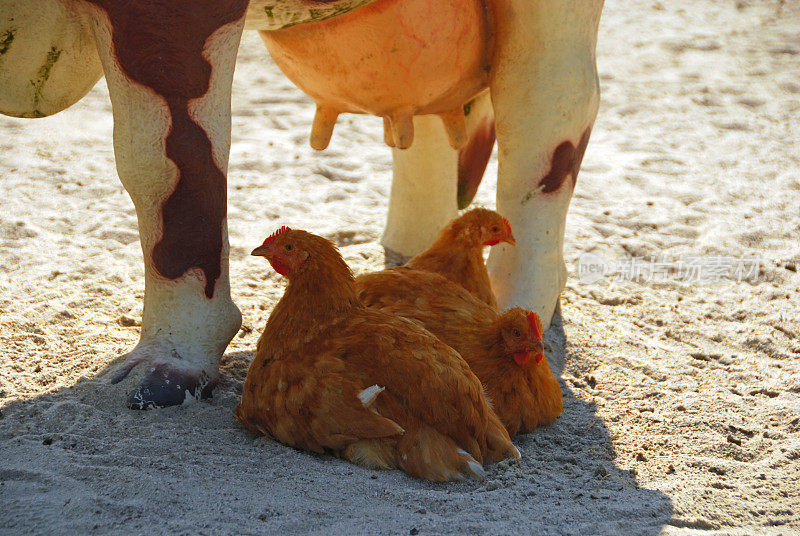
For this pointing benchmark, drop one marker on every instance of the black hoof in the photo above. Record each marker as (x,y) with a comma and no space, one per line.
(167,386)
(392,259)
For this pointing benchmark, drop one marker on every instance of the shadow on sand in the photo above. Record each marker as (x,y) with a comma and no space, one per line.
(77,461)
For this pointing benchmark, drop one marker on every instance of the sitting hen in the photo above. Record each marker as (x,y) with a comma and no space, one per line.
(504,350)
(373,388)
(457,253)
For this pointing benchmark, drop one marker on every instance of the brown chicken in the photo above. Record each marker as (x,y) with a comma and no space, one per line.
(332,376)
(504,350)
(458,252)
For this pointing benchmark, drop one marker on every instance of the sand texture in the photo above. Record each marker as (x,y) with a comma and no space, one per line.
(682,397)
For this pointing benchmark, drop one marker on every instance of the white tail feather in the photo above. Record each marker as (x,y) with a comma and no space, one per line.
(368,395)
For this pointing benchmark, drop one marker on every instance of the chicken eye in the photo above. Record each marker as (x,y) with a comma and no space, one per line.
(289,247)
(516,333)
(495,229)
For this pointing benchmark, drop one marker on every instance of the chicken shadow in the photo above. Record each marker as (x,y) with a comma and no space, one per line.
(75,460)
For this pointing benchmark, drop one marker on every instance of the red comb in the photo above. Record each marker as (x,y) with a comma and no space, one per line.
(536,325)
(508,225)
(276,234)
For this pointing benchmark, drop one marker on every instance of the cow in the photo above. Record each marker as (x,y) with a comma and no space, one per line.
(523,69)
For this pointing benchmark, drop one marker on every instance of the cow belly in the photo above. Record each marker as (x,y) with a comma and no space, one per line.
(389,57)
(48,59)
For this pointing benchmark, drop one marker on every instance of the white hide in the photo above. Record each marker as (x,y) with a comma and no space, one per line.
(424,184)
(545,91)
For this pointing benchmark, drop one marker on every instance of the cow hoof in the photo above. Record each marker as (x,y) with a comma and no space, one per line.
(392,259)
(166,383)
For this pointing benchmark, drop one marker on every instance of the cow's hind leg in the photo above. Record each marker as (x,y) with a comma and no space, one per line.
(545,94)
(170,91)
(431,180)
(423,197)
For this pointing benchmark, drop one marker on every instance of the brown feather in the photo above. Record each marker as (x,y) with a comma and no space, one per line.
(524,396)
(457,253)
(321,347)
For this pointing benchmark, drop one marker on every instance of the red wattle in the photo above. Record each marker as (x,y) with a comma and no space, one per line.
(539,358)
(279,267)
(491,243)
(522,357)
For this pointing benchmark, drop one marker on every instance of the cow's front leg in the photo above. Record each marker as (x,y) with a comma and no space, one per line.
(545,93)
(169,67)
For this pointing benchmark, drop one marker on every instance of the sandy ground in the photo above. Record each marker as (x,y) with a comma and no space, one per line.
(682,397)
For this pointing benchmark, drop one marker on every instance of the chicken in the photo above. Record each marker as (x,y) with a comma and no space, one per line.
(457,253)
(504,350)
(330,375)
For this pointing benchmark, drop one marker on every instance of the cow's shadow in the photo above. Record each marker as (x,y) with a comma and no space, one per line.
(77,461)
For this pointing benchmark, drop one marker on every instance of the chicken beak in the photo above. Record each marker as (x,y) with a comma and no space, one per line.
(536,350)
(263,250)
